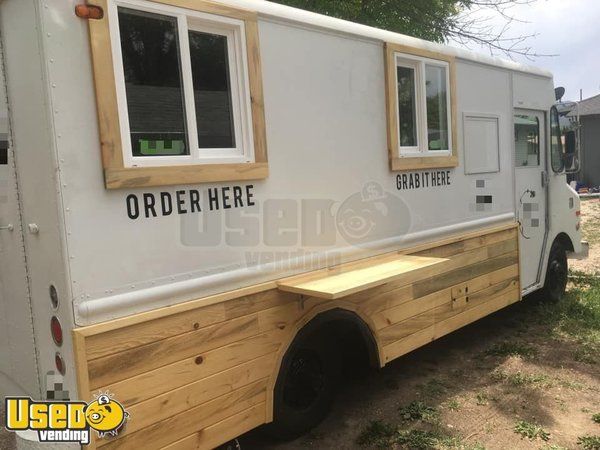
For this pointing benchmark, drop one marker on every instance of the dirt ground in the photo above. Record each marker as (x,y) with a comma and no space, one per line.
(527,377)
(590,218)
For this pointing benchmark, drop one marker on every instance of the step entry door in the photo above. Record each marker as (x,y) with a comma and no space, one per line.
(531,185)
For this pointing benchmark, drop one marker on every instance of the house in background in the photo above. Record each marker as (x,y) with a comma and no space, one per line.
(589,112)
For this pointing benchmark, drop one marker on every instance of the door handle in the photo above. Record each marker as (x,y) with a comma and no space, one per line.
(544,178)
(8,227)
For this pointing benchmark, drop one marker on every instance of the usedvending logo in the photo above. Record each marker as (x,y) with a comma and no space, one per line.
(66,421)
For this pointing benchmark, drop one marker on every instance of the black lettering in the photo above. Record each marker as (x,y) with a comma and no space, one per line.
(404,181)
(417,181)
(411,181)
(180,202)
(195,201)
(398,182)
(444,179)
(448,177)
(133,209)
(249,195)
(237,197)
(213,199)
(166,202)
(224,193)
(149,202)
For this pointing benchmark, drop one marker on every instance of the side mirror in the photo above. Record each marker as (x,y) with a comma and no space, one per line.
(570,142)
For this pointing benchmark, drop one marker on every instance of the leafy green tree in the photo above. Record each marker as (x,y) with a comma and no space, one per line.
(434,20)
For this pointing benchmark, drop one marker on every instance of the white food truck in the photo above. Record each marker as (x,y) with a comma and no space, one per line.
(208,207)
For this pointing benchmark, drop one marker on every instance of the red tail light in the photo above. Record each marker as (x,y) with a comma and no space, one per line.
(56,329)
(60,363)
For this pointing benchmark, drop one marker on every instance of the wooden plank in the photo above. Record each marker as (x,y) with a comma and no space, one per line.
(166,378)
(223,431)
(212,7)
(134,177)
(181,399)
(83,387)
(337,286)
(421,163)
(410,309)
(465,267)
(106,91)
(443,311)
(447,251)
(482,295)
(131,362)
(197,418)
(108,338)
(471,315)
(424,336)
(464,273)
(256,91)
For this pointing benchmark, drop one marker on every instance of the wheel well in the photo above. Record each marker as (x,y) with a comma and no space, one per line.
(565,241)
(348,330)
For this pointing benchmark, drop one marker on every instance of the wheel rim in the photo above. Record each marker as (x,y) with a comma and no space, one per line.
(558,278)
(304,381)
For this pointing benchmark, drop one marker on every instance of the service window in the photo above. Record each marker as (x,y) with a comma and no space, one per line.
(183,101)
(527,141)
(421,110)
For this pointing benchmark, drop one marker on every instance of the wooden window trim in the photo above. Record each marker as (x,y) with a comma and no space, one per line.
(116,174)
(398,163)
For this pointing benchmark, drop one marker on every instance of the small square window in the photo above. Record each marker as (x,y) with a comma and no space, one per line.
(420,111)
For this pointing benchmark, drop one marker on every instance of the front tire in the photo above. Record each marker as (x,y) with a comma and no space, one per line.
(557,274)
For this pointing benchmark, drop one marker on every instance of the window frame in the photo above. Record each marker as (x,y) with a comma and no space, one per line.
(419,157)
(248,161)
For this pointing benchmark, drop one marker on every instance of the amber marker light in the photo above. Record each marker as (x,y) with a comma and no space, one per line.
(89,12)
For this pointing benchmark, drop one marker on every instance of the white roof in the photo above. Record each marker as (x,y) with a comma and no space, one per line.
(269,9)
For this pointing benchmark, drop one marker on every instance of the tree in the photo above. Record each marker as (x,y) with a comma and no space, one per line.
(462,21)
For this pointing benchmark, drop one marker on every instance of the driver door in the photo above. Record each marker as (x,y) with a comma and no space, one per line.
(531,184)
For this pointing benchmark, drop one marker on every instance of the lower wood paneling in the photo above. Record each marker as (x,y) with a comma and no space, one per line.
(196,375)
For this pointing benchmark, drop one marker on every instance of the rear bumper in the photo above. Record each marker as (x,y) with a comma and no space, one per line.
(583,254)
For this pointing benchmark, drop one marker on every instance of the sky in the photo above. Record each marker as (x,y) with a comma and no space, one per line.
(568,28)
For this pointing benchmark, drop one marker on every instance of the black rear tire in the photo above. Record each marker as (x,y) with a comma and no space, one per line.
(305,388)
(557,274)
